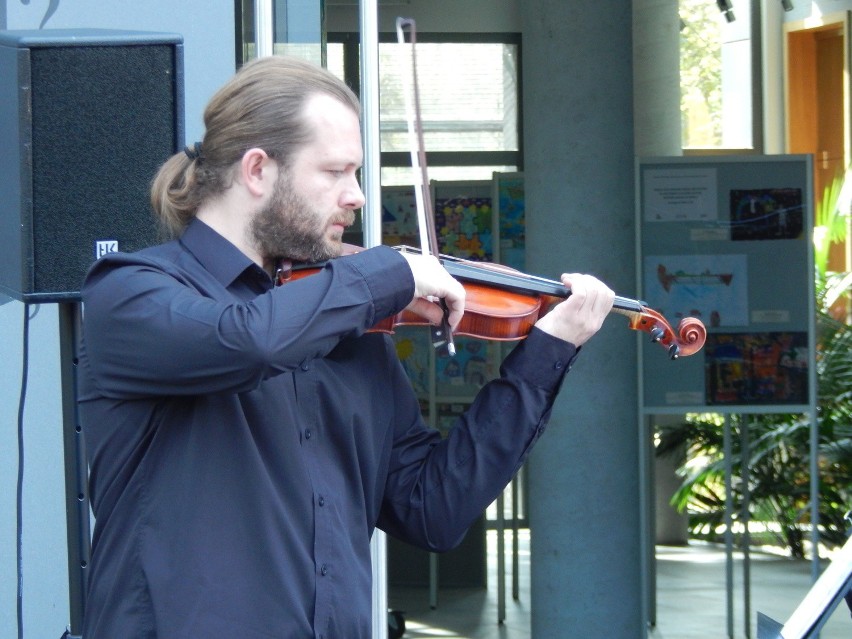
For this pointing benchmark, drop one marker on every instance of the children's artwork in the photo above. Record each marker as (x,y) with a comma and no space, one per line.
(399,217)
(756,368)
(712,288)
(412,348)
(468,371)
(510,194)
(464,227)
(766,214)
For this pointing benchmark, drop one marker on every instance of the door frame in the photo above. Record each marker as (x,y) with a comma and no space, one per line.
(800,58)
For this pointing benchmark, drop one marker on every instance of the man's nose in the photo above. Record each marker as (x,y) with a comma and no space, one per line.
(353,196)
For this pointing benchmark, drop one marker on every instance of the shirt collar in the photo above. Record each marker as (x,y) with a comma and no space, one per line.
(217,255)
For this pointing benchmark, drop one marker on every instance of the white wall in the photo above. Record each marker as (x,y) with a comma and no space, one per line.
(44,548)
(207,27)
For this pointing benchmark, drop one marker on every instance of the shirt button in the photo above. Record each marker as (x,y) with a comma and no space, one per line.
(304,366)
(559,365)
(321,501)
(308,433)
(324,570)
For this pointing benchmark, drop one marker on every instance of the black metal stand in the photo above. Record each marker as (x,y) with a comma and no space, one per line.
(76,467)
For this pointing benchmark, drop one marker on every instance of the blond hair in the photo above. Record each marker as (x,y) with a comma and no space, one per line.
(260,107)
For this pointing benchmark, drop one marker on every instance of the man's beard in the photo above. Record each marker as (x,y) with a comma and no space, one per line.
(288,227)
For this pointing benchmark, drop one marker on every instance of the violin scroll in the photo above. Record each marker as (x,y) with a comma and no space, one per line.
(692,334)
(689,338)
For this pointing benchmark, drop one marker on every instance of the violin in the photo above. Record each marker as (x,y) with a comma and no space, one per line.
(503,304)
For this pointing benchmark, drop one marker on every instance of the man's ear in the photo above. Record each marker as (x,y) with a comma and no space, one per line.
(258,172)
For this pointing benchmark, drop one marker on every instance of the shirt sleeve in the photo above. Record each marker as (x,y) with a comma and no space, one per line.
(438,486)
(151,328)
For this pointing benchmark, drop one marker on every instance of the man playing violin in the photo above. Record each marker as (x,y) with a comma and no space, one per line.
(245,439)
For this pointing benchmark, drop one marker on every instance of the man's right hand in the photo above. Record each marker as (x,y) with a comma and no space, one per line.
(433,283)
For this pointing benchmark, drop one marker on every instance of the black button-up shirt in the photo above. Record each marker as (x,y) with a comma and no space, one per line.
(244,441)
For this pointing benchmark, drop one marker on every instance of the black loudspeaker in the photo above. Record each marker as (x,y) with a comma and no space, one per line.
(86,119)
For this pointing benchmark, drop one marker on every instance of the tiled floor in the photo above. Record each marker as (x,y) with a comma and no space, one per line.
(691,599)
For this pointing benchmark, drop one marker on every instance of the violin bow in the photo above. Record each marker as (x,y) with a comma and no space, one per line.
(442,335)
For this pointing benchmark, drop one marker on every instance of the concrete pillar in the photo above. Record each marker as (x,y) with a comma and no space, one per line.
(586,575)
(656,113)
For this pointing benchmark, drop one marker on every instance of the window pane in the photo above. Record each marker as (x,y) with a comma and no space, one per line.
(468,96)
(736,94)
(310,51)
(715,72)
(334,59)
(313,53)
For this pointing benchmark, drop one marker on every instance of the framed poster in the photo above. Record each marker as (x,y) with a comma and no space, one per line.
(464,217)
(509,209)
(727,239)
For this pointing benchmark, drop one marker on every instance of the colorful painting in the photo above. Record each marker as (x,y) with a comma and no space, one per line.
(412,347)
(464,227)
(399,217)
(468,371)
(766,214)
(756,368)
(510,194)
(712,288)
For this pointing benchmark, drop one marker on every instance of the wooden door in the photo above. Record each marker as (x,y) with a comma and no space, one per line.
(818,113)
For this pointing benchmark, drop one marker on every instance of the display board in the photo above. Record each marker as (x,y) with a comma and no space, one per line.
(510,218)
(727,239)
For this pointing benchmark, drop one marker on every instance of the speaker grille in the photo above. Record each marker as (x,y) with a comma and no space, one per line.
(102,122)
